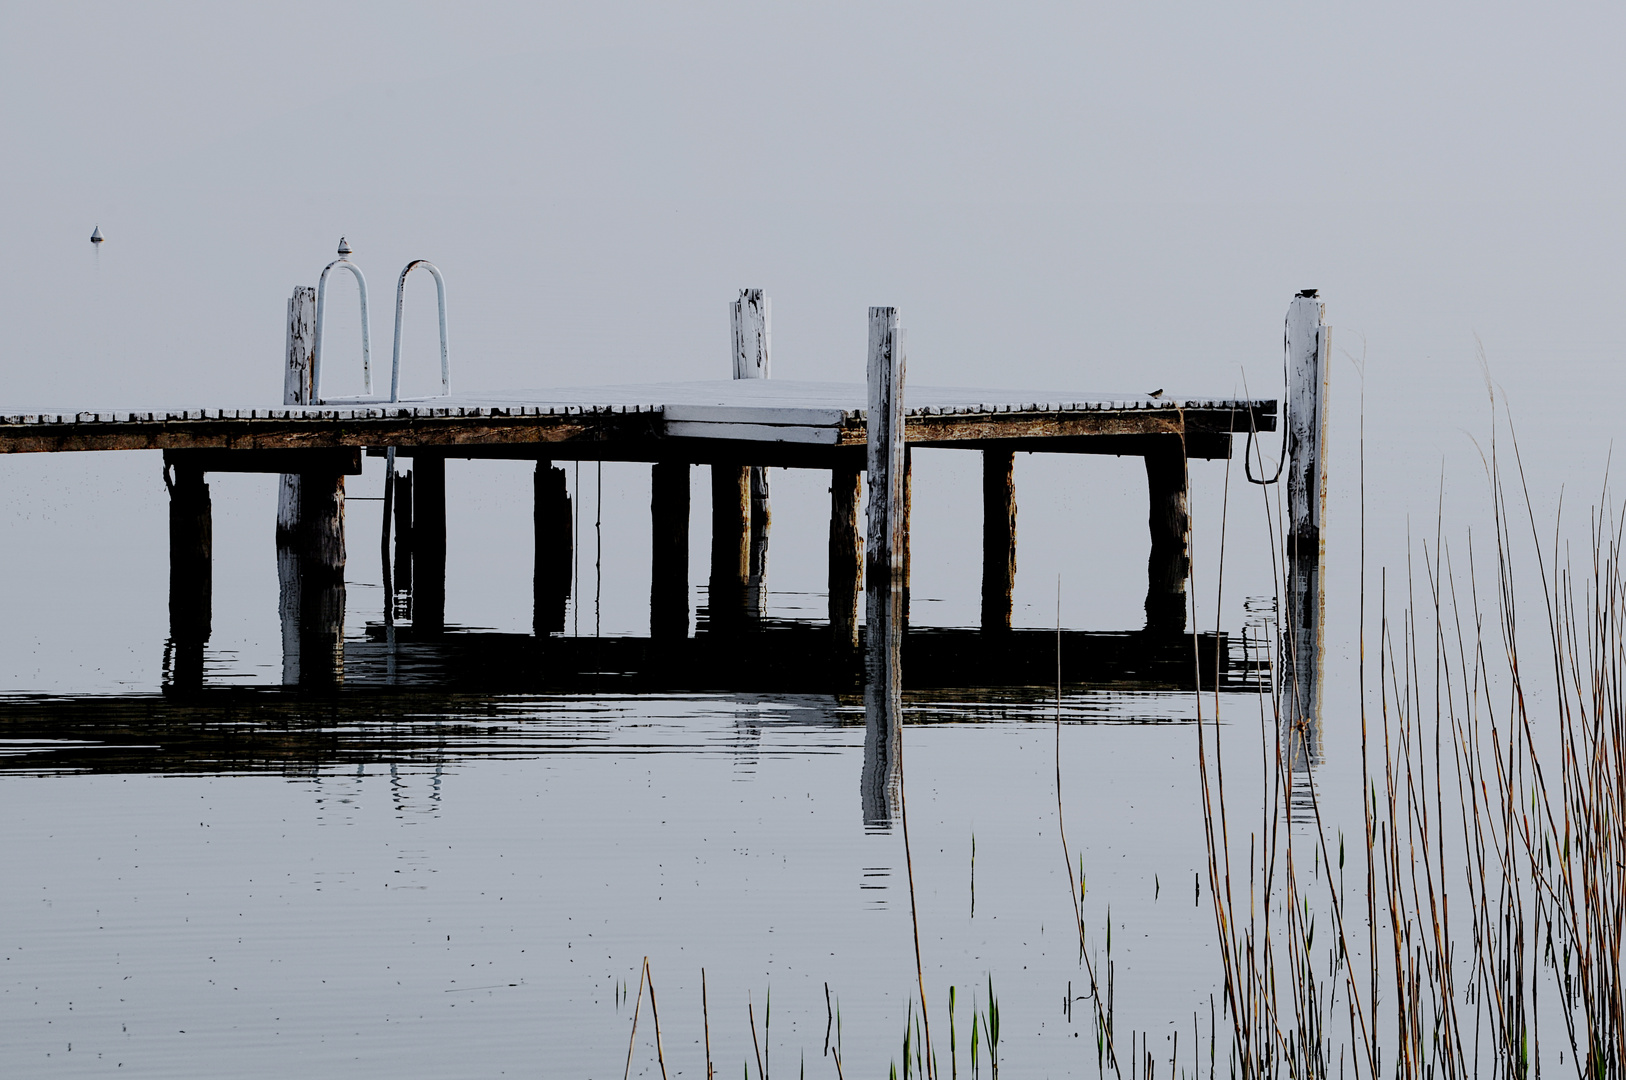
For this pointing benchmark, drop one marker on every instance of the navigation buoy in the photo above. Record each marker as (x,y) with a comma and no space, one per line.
(344,248)
(96,235)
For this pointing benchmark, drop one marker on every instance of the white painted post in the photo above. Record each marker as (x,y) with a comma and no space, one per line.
(884,570)
(753,354)
(1308,343)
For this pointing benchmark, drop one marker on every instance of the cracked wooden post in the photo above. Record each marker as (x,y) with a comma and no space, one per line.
(730,546)
(191,573)
(846,570)
(428,543)
(296,390)
(884,569)
(1168,520)
(1308,341)
(669,551)
(998,538)
(552,522)
(753,354)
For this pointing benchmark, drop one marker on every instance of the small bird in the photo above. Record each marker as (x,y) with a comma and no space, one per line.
(344,249)
(1156,393)
(96,235)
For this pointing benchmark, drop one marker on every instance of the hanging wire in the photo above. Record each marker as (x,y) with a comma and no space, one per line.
(1247,451)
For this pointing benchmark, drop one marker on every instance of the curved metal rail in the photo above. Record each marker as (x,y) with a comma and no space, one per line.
(366,330)
(400,296)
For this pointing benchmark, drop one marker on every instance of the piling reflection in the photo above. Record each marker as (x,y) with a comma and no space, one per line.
(883,707)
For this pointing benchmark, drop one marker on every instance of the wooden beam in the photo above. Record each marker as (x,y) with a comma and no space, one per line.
(429,545)
(339,461)
(998,538)
(553,522)
(730,545)
(669,554)
(1169,522)
(846,572)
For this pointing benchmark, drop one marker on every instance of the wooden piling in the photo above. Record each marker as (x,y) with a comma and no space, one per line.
(191,558)
(998,538)
(846,571)
(429,543)
(1308,343)
(553,523)
(731,506)
(884,570)
(1168,520)
(752,318)
(297,388)
(402,506)
(669,553)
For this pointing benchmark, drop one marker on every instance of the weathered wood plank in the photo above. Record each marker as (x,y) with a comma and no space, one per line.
(340,460)
(998,538)
(669,554)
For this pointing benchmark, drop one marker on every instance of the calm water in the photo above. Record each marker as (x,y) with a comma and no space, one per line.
(412,882)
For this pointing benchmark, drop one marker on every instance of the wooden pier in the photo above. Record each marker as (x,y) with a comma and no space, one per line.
(737,428)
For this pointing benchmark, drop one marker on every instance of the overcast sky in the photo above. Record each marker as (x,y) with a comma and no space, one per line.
(1089,196)
(1099,198)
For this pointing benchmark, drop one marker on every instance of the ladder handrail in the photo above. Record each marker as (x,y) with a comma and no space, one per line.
(366,332)
(400,297)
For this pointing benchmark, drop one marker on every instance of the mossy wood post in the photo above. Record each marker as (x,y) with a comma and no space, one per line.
(669,550)
(846,572)
(752,318)
(998,538)
(428,543)
(1308,344)
(552,522)
(191,573)
(730,545)
(884,568)
(1168,520)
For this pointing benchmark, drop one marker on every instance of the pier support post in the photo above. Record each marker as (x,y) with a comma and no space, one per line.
(551,580)
(402,508)
(731,545)
(884,569)
(998,538)
(1308,343)
(429,544)
(846,572)
(1169,522)
(191,573)
(669,554)
(297,383)
(752,318)
(310,571)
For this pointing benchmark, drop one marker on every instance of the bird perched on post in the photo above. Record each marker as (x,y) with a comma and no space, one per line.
(96,235)
(1156,393)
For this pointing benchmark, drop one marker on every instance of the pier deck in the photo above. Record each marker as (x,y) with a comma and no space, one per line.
(751,421)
